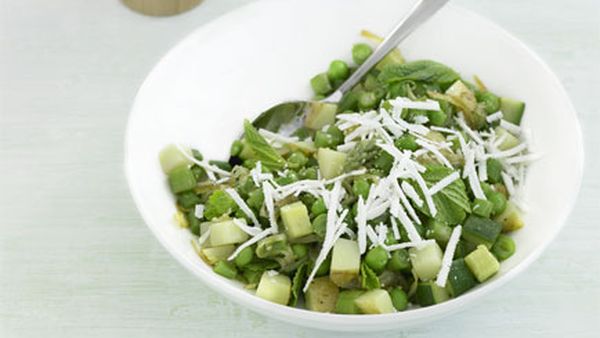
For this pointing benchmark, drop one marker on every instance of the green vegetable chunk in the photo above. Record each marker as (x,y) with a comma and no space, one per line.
(320,114)
(345,302)
(504,247)
(509,140)
(399,299)
(322,295)
(345,262)
(244,257)
(181,179)
(216,254)
(227,232)
(512,110)
(479,230)
(225,269)
(429,293)
(426,260)
(171,157)
(274,287)
(494,170)
(482,207)
(482,263)
(510,219)
(375,302)
(331,162)
(439,231)
(320,84)
(296,220)
(460,278)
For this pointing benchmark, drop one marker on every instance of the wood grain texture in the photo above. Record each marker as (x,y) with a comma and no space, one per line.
(75,257)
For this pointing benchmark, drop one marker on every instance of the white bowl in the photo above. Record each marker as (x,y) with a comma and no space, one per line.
(264,53)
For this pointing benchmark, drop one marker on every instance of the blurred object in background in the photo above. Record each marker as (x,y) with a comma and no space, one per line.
(161,7)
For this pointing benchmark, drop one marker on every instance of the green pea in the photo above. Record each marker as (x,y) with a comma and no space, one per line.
(199,173)
(361,52)
(324,267)
(300,250)
(498,201)
(197,154)
(399,299)
(320,84)
(318,207)
(399,261)
(338,70)
(307,199)
(437,117)
(337,136)
(308,173)
(297,160)
(244,257)
(360,187)
(376,259)
(319,225)
(225,269)
(236,148)
(249,163)
(367,100)
(504,247)
(406,142)
(323,140)
(290,177)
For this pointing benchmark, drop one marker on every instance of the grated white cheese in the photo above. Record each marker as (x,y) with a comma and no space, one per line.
(400,103)
(508,183)
(407,245)
(268,197)
(241,223)
(444,182)
(420,119)
(494,117)
(199,211)
(442,276)
(523,159)
(204,237)
(410,191)
(277,138)
(211,170)
(361,223)
(443,160)
(395,229)
(250,242)
(511,127)
(243,206)
(405,202)
(346,147)
(509,152)
(463,125)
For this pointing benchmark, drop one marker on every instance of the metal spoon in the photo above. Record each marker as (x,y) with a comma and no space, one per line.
(286,113)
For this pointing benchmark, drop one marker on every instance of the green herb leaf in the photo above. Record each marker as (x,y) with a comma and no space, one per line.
(422,70)
(368,278)
(452,202)
(297,284)
(219,203)
(263,150)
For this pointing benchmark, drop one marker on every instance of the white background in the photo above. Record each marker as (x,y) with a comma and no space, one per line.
(75,257)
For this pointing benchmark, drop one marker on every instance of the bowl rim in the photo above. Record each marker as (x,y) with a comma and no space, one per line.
(341,322)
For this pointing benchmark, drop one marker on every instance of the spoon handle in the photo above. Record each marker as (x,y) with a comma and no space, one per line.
(420,13)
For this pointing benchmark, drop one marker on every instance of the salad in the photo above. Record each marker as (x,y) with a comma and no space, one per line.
(403,194)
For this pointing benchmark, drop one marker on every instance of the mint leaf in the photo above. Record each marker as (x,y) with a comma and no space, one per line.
(297,284)
(263,150)
(218,204)
(421,70)
(368,278)
(452,202)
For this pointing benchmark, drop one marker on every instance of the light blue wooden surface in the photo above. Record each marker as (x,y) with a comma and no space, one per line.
(75,257)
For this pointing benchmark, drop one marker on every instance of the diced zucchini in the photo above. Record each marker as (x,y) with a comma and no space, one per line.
(460,278)
(512,110)
(274,287)
(320,114)
(181,179)
(426,260)
(204,226)
(171,157)
(331,162)
(375,302)
(439,231)
(345,262)
(510,140)
(482,263)
(510,219)
(345,302)
(429,293)
(322,295)
(215,254)
(226,232)
(479,230)
(296,220)
(399,261)
(482,207)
